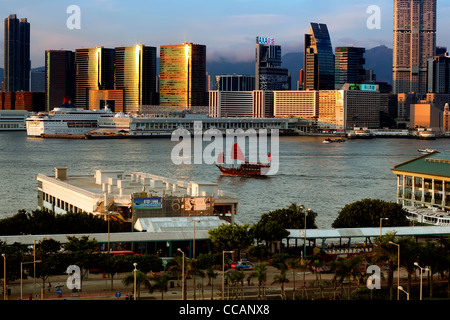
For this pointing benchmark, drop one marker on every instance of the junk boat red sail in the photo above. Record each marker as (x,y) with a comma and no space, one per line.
(244,169)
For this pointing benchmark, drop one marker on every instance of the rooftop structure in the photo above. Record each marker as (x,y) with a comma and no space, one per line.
(128,197)
(424,181)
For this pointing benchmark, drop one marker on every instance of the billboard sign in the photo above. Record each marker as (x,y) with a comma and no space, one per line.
(197,204)
(265,40)
(363,87)
(147,203)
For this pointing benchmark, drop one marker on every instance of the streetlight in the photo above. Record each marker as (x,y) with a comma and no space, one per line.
(135,270)
(421,270)
(182,276)
(381,220)
(4,276)
(223,272)
(398,268)
(401,288)
(193,242)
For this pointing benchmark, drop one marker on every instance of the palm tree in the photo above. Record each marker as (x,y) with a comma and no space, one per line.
(282,279)
(293,263)
(384,252)
(211,276)
(261,274)
(141,278)
(161,282)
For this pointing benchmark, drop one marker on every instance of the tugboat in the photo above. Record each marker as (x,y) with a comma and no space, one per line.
(245,169)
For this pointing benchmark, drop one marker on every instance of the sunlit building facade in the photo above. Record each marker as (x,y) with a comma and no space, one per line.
(59,77)
(414,43)
(94,71)
(135,74)
(17,64)
(183,75)
(318,62)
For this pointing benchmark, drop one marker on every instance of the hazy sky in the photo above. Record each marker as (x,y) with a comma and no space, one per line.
(227,27)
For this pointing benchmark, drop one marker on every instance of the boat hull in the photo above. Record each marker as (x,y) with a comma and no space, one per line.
(254,171)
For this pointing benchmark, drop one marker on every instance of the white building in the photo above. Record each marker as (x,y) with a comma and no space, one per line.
(129,197)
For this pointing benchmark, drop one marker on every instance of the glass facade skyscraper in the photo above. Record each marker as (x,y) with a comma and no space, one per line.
(135,74)
(349,66)
(414,43)
(59,77)
(94,71)
(183,75)
(17,64)
(318,62)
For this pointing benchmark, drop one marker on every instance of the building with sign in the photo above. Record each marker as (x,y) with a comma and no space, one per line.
(269,75)
(128,197)
(349,66)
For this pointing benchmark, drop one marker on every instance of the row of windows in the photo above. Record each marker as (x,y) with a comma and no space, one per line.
(60,203)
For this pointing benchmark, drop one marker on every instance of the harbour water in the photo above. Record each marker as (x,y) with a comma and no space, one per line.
(323,177)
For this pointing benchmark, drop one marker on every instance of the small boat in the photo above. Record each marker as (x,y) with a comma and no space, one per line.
(245,169)
(328,140)
(426,151)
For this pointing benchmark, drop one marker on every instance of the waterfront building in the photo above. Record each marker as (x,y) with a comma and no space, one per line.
(17,64)
(135,74)
(446,119)
(132,196)
(425,115)
(318,62)
(113,99)
(59,77)
(349,66)
(424,181)
(438,69)
(12,120)
(182,80)
(22,100)
(94,70)
(414,43)
(250,104)
(269,75)
(235,82)
(296,104)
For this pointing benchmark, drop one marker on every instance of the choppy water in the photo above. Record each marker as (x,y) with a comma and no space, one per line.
(323,177)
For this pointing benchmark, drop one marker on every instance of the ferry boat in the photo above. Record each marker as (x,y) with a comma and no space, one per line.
(245,169)
(13,120)
(426,151)
(429,216)
(65,120)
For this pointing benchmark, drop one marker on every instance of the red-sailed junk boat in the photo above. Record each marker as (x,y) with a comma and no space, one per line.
(244,169)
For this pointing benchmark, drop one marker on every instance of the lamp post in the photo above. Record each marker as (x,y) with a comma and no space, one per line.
(182,275)
(223,272)
(4,276)
(21,276)
(398,268)
(421,270)
(401,288)
(193,248)
(381,222)
(135,270)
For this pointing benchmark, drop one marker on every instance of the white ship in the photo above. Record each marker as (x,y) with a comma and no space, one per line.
(12,120)
(66,120)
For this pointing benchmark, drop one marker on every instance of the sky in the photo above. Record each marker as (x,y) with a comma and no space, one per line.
(228,28)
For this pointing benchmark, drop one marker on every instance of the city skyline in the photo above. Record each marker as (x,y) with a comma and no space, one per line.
(227,32)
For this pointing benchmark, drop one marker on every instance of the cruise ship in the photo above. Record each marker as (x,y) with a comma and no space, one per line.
(13,120)
(65,120)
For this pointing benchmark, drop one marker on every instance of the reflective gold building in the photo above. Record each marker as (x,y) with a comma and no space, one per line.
(94,70)
(183,75)
(135,74)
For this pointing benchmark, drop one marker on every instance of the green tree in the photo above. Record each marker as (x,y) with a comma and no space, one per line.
(260,272)
(367,213)
(281,279)
(141,279)
(161,282)
(48,252)
(231,236)
(386,253)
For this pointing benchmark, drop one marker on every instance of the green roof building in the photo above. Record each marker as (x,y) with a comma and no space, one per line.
(424,181)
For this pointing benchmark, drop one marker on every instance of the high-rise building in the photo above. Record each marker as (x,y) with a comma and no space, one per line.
(59,77)
(318,62)
(182,79)
(17,62)
(135,74)
(235,82)
(94,70)
(414,42)
(438,70)
(349,66)
(269,75)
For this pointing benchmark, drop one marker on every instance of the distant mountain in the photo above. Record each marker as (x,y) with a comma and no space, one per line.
(379,59)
